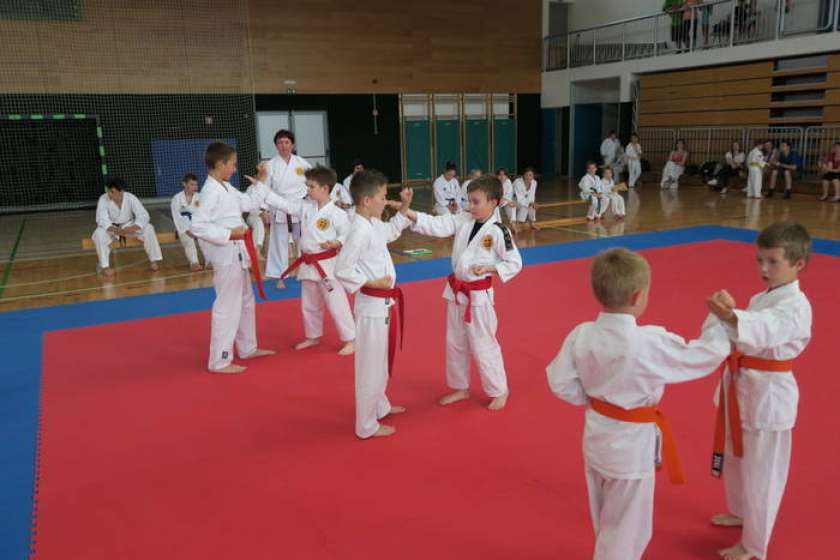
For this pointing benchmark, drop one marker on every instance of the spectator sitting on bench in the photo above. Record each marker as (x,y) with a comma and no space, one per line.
(789,162)
(120,214)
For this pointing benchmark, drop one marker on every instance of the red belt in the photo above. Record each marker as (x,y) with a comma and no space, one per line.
(312,260)
(646,415)
(462,287)
(728,402)
(255,263)
(396,294)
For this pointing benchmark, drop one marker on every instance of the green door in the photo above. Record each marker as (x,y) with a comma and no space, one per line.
(477,140)
(418,144)
(448,146)
(504,144)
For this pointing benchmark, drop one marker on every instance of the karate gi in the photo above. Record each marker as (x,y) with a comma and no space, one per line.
(446,192)
(609,151)
(592,191)
(490,245)
(341,193)
(364,258)
(255,222)
(633,156)
(673,170)
(508,201)
(129,213)
(755,164)
(525,197)
(776,326)
(616,360)
(288,181)
(182,212)
(613,199)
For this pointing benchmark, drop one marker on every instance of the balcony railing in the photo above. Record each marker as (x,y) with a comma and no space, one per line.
(710,25)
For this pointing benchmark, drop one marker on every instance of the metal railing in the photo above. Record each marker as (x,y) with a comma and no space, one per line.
(711,143)
(710,25)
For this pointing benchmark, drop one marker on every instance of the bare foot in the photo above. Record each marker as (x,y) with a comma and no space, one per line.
(307,343)
(108,272)
(154,267)
(726,520)
(232,368)
(208,266)
(515,228)
(348,349)
(258,353)
(534,226)
(196,267)
(454,397)
(498,403)
(396,409)
(384,431)
(281,285)
(737,552)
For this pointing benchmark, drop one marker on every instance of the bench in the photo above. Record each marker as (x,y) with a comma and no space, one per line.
(122,242)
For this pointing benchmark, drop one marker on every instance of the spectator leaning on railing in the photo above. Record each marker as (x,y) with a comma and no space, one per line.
(789,162)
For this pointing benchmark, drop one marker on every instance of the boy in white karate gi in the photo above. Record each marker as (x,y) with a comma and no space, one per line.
(508,202)
(592,191)
(341,191)
(633,157)
(769,335)
(755,164)
(447,191)
(613,199)
(525,192)
(121,214)
(465,197)
(218,222)
(364,267)
(324,227)
(286,178)
(618,370)
(481,249)
(183,206)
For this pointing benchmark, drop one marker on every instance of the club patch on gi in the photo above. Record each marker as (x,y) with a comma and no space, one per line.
(487,241)
(322,224)
(300,171)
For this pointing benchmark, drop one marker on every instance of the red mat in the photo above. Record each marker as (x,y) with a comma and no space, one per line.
(145,456)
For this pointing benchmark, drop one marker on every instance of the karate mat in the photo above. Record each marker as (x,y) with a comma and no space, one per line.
(144,456)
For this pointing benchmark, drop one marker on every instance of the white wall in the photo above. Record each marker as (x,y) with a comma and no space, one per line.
(587,13)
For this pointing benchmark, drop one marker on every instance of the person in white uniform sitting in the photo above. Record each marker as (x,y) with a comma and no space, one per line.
(183,205)
(447,191)
(121,214)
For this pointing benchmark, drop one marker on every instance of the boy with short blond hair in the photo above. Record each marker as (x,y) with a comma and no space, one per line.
(619,370)
(758,398)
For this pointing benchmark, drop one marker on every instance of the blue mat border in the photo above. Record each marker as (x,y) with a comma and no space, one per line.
(21,333)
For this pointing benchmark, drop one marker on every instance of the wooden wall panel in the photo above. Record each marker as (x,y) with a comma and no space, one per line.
(327,46)
(708,75)
(832,97)
(726,102)
(740,87)
(832,115)
(834,62)
(708,118)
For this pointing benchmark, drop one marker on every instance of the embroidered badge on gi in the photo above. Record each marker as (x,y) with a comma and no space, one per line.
(300,170)
(487,241)
(322,224)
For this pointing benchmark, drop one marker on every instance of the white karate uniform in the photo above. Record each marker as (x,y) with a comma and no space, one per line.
(777,326)
(182,212)
(633,156)
(508,200)
(364,258)
(491,245)
(288,181)
(592,191)
(609,150)
(465,197)
(255,222)
(614,199)
(614,359)
(755,164)
(341,193)
(525,197)
(319,225)
(671,173)
(446,192)
(233,317)
(130,213)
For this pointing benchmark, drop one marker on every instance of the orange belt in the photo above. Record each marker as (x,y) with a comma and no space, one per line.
(399,303)
(312,260)
(647,415)
(728,401)
(459,286)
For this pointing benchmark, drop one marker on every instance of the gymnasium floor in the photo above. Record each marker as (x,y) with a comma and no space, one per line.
(119,446)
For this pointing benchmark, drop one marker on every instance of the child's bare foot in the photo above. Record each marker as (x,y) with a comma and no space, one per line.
(396,409)
(307,343)
(727,520)
(384,431)
(534,226)
(454,397)
(737,552)
(196,267)
(259,353)
(281,285)
(499,402)
(108,272)
(154,267)
(348,349)
(232,368)
(514,227)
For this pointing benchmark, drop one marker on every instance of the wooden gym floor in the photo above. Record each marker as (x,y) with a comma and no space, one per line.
(49,267)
